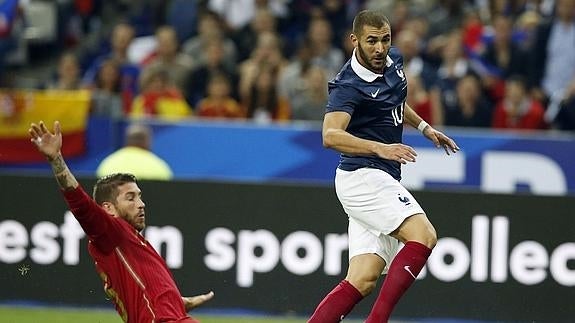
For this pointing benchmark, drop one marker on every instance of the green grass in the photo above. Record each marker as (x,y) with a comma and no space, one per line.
(54,315)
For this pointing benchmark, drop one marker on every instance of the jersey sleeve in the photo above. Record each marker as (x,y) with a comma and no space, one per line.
(396,56)
(342,98)
(100,227)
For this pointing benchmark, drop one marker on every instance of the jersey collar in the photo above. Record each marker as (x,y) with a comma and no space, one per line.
(363,72)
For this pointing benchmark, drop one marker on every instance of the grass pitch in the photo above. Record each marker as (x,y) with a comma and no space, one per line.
(57,315)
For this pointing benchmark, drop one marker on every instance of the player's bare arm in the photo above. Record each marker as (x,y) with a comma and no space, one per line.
(336,137)
(437,137)
(50,144)
(195,301)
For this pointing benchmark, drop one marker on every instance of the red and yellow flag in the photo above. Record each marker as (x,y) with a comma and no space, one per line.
(18,109)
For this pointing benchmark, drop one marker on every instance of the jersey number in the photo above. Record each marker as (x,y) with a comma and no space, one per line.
(397,114)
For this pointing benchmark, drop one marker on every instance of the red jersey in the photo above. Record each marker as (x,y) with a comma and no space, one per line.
(135,276)
(533,118)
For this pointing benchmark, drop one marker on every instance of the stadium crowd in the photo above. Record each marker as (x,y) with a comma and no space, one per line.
(482,63)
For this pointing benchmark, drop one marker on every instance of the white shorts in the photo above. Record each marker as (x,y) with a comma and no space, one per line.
(376,205)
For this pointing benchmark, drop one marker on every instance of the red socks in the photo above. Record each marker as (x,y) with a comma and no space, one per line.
(337,304)
(402,273)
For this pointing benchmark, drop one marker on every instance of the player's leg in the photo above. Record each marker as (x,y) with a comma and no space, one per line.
(419,237)
(364,271)
(362,275)
(368,254)
(416,228)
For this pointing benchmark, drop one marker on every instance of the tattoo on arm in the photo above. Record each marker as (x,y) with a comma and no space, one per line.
(64,177)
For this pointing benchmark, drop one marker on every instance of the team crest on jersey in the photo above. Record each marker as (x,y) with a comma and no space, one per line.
(400,74)
(404,200)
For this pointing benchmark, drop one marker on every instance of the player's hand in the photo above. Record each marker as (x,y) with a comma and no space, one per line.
(397,152)
(440,140)
(194,301)
(47,143)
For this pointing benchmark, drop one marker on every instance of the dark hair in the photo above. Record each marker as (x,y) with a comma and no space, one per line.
(519,79)
(114,64)
(106,188)
(272,101)
(373,18)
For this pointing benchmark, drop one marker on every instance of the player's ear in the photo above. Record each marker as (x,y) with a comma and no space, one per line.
(353,39)
(109,207)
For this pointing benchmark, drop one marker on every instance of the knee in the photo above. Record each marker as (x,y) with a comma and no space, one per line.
(430,237)
(427,235)
(364,282)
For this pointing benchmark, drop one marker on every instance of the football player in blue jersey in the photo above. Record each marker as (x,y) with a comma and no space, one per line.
(364,121)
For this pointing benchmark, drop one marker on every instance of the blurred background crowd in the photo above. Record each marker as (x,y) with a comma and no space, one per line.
(482,63)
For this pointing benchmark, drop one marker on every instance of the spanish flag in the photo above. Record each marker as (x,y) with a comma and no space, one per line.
(18,109)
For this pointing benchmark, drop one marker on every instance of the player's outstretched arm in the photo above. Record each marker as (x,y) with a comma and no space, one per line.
(50,144)
(194,301)
(439,139)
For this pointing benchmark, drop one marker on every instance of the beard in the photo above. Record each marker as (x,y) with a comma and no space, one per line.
(368,61)
(135,221)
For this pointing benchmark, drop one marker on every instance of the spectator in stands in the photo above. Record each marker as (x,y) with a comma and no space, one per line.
(310,103)
(210,29)
(335,12)
(446,16)
(454,66)
(553,56)
(444,19)
(159,98)
(303,85)
(219,103)
(511,9)
(215,63)
(183,16)
(517,110)
(339,13)
(472,31)
(264,103)
(324,53)
(246,38)
(418,97)
(68,74)
(122,36)
(565,118)
(106,93)
(136,157)
(409,44)
(239,13)
(502,58)
(471,109)
(77,19)
(400,14)
(167,57)
(11,26)
(526,26)
(420,26)
(145,15)
(267,55)
(561,115)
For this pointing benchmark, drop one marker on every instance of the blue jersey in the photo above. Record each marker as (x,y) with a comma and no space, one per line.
(375,103)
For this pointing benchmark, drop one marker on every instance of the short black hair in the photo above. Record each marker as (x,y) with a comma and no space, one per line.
(106,188)
(374,18)
(519,79)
